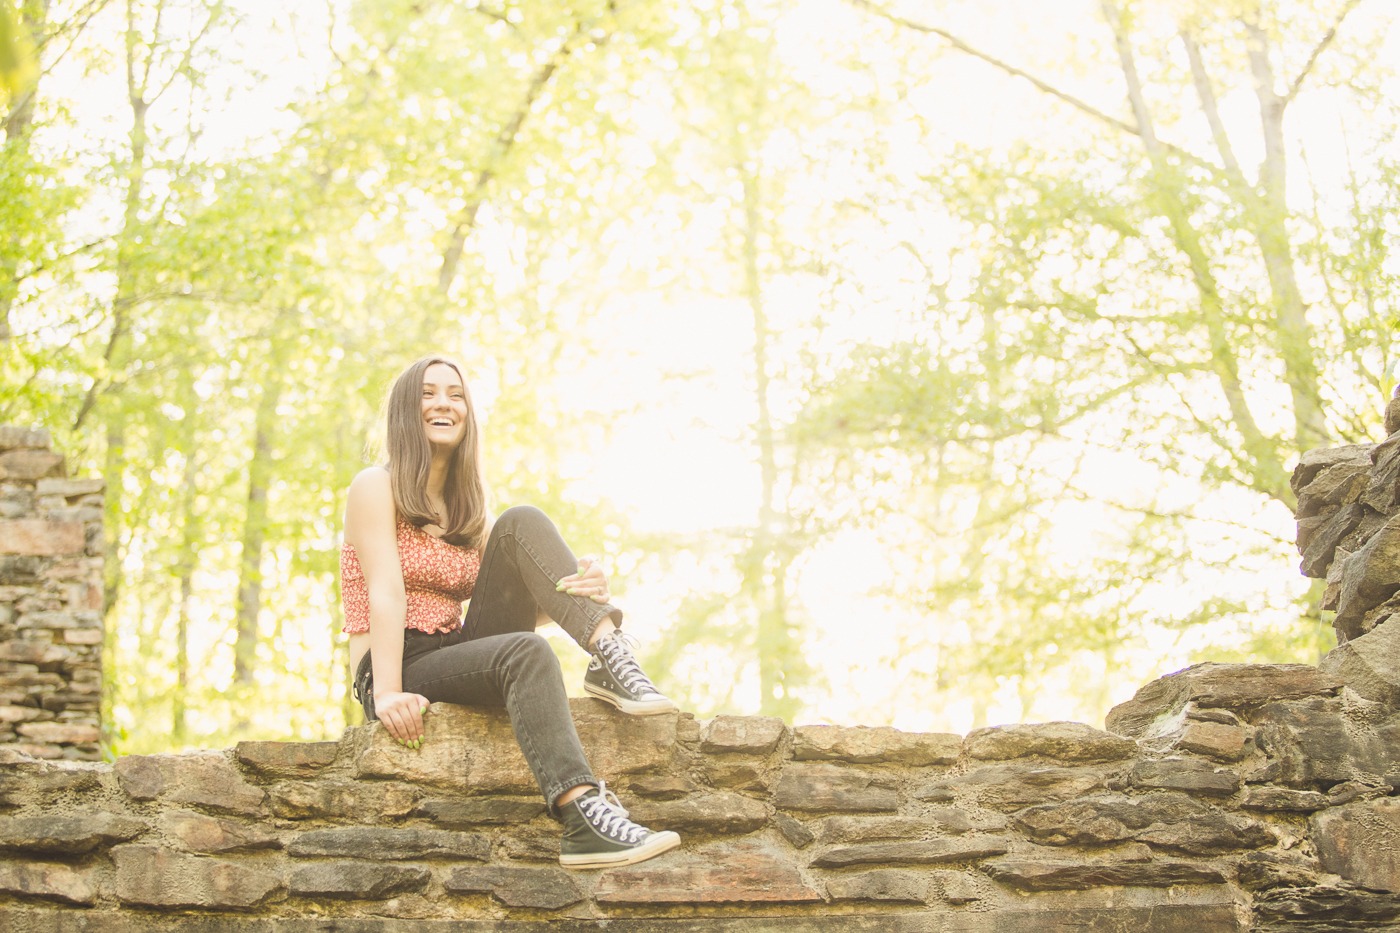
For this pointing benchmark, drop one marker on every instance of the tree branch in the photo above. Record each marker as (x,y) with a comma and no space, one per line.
(1010,69)
(1210,107)
(1317,51)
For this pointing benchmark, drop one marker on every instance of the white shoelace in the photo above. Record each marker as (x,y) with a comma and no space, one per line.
(606,813)
(624,665)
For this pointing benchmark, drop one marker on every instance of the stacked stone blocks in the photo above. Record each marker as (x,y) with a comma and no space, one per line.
(1220,798)
(50,601)
(1225,798)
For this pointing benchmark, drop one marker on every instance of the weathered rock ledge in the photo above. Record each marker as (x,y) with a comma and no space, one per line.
(1231,797)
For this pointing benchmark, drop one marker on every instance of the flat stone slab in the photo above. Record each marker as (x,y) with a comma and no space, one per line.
(1068,742)
(874,745)
(741,874)
(919,852)
(542,888)
(67,835)
(834,787)
(394,844)
(1232,686)
(1012,785)
(287,759)
(204,779)
(748,735)
(351,879)
(1037,874)
(150,877)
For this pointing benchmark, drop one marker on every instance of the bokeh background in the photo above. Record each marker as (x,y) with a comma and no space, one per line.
(930,363)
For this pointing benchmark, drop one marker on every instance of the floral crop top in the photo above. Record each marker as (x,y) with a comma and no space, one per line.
(437,578)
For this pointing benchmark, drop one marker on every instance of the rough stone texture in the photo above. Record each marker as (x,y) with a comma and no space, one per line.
(394,844)
(50,602)
(750,735)
(1361,842)
(352,880)
(1237,687)
(151,877)
(544,888)
(1205,917)
(1369,664)
(1056,837)
(1052,874)
(474,811)
(1314,743)
(616,745)
(1214,740)
(866,745)
(1349,534)
(1014,785)
(1370,576)
(1169,820)
(881,885)
(299,800)
(833,787)
(1060,741)
(67,835)
(203,779)
(1282,800)
(742,874)
(196,832)
(719,812)
(930,852)
(1185,774)
(47,881)
(287,759)
(1223,798)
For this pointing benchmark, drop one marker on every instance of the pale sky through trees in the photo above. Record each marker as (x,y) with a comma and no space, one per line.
(1007,476)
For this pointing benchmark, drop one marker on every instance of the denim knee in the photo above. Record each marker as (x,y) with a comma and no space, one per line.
(518,516)
(529,651)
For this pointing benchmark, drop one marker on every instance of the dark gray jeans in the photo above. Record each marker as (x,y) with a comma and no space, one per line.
(497,659)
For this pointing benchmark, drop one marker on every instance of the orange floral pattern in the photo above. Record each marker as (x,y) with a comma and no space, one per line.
(437,578)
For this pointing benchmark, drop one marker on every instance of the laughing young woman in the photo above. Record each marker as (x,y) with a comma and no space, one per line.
(418,542)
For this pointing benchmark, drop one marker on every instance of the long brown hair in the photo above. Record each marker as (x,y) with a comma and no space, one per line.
(410,455)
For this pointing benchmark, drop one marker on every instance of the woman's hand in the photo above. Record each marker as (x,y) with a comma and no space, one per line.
(402,715)
(590,581)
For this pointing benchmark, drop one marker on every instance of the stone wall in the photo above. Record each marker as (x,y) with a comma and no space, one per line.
(1220,798)
(1226,798)
(50,601)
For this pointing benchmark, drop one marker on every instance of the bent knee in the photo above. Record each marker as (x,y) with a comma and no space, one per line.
(530,647)
(518,516)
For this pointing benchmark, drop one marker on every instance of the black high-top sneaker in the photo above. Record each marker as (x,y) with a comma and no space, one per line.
(598,834)
(614,676)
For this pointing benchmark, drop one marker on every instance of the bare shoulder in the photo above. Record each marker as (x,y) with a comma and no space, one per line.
(369,505)
(371,481)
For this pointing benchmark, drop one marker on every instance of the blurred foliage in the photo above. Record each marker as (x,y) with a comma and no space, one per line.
(974,349)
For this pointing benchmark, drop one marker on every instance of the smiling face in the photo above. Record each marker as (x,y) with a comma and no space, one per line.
(445,406)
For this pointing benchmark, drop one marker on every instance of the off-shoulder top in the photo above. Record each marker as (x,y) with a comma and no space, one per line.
(437,578)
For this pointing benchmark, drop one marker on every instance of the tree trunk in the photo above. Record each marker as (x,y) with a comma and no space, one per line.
(128,239)
(779,665)
(33,19)
(1261,460)
(185,561)
(1294,333)
(255,535)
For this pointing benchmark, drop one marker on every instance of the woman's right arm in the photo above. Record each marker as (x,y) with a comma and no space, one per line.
(370,527)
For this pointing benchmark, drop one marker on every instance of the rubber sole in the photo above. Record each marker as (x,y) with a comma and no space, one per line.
(631,707)
(656,844)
